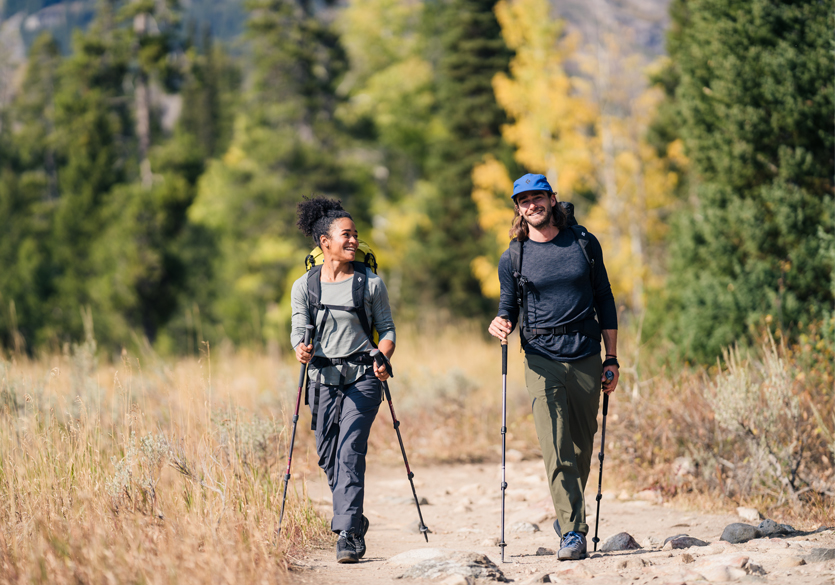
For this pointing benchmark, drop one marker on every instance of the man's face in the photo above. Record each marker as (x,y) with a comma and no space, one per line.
(536,207)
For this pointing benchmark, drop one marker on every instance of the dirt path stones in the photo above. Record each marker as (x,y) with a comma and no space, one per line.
(469,537)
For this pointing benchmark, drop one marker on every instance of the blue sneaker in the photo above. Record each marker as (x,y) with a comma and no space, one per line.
(573,547)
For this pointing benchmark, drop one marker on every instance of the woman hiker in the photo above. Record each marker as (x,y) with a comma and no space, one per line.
(344,388)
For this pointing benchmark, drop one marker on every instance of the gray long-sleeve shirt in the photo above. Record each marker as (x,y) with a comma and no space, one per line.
(560,293)
(339,333)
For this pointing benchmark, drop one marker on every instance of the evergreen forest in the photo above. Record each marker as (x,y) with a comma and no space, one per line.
(150,166)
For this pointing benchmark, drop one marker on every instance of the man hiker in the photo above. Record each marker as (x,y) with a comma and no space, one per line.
(553,283)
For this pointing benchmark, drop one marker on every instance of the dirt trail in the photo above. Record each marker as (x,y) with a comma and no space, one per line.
(463,513)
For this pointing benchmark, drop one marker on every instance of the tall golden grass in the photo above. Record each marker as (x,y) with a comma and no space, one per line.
(142,469)
(146,471)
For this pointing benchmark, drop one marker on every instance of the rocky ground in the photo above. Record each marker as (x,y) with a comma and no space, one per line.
(462,510)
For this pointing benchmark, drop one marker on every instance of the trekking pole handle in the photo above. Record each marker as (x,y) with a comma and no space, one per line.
(609,376)
(504,357)
(380,360)
(308,334)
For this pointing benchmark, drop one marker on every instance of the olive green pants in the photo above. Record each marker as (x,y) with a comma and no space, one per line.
(566,398)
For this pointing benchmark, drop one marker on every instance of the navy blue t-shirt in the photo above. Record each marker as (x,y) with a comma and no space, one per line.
(560,293)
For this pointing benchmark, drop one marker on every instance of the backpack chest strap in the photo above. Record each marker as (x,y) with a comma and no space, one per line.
(346,308)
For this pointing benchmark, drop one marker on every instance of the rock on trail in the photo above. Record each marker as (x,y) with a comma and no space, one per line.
(620,541)
(738,532)
(683,541)
(465,564)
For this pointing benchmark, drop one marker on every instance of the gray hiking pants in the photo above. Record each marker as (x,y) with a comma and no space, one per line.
(342,444)
(565,400)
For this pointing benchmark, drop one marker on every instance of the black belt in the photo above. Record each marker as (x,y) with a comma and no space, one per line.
(359,358)
(588,327)
(321,362)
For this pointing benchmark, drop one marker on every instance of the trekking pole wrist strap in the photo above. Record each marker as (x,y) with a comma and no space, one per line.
(613,361)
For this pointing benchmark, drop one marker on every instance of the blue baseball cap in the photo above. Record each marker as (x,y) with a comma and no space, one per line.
(530,182)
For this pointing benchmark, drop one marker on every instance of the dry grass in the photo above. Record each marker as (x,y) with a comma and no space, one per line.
(158,471)
(147,472)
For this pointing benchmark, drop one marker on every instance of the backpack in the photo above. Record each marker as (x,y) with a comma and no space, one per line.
(588,327)
(365,260)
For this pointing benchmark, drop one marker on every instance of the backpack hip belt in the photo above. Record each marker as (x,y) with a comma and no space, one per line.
(321,362)
(361,358)
(588,327)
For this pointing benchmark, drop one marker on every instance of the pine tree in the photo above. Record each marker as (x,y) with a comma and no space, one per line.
(211,79)
(287,144)
(86,222)
(28,189)
(143,280)
(472,53)
(754,94)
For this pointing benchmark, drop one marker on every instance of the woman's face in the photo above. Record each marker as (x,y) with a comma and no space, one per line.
(341,244)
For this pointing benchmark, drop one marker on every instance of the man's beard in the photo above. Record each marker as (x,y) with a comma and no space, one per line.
(544,221)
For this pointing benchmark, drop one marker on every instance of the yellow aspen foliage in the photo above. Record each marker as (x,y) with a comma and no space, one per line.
(637,187)
(585,134)
(550,115)
(492,188)
(550,121)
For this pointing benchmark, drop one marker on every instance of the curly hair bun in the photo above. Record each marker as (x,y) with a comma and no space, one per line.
(316,214)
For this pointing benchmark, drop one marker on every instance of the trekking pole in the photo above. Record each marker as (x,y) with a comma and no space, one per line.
(379,360)
(503,544)
(609,376)
(303,370)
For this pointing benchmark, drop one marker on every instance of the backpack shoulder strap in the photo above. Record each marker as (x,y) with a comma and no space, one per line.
(358,295)
(520,283)
(314,292)
(515,249)
(581,234)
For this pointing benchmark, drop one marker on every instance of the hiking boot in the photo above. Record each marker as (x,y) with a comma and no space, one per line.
(345,550)
(359,539)
(573,547)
